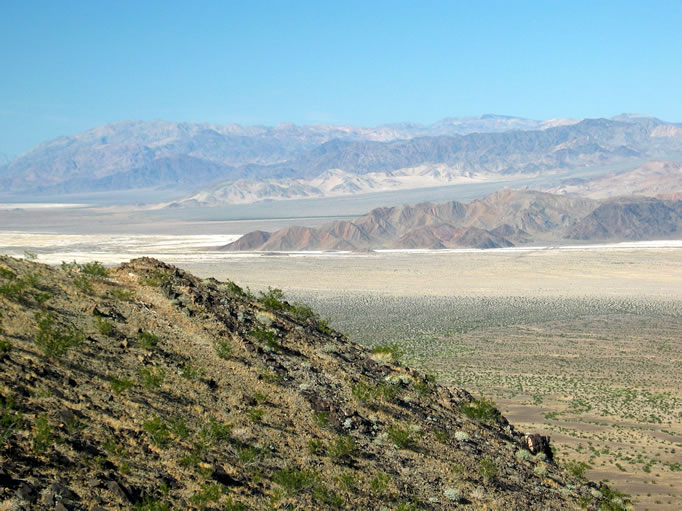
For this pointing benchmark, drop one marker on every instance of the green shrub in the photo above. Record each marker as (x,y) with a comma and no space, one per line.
(223,349)
(256,415)
(247,455)
(94,269)
(104,327)
(267,337)
(5,346)
(316,447)
(151,377)
(215,432)
(83,283)
(379,484)
(341,447)
(53,341)
(157,278)
(42,434)
(191,372)
(157,430)
(231,505)
(393,351)
(402,438)
(209,493)
(294,480)
(149,504)
(124,295)
(577,468)
(483,410)
(118,386)
(179,428)
(147,340)
(362,392)
(272,300)
(10,419)
(321,419)
(6,273)
(487,469)
(442,436)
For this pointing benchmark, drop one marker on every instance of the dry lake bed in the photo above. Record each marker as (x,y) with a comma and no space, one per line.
(581,343)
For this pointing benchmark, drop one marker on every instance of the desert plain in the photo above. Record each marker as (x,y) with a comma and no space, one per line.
(581,343)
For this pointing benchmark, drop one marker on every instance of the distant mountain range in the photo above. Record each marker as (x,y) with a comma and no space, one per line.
(661,179)
(503,219)
(232,163)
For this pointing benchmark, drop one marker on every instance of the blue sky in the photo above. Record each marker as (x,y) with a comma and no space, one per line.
(69,66)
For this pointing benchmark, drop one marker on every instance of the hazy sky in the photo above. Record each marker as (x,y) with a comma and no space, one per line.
(69,66)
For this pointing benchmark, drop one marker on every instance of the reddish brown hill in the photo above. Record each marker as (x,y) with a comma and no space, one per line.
(503,219)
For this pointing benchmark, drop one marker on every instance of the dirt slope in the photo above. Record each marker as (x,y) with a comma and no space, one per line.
(144,387)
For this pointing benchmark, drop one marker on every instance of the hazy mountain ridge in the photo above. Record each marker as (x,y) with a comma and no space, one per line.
(661,179)
(503,219)
(134,154)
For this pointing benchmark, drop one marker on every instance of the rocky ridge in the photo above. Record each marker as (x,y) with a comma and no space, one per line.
(145,387)
(504,219)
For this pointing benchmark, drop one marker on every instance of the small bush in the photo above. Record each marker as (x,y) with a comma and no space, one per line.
(6,273)
(157,278)
(94,269)
(321,419)
(343,446)
(157,430)
(452,494)
(124,295)
(151,377)
(209,493)
(362,392)
(5,346)
(483,410)
(147,340)
(316,447)
(401,438)
(442,436)
(487,469)
(273,300)
(179,429)
(149,504)
(577,468)
(541,471)
(223,349)
(392,351)
(294,480)
(462,436)
(10,419)
(119,386)
(53,341)
(256,415)
(379,484)
(191,372)
(248,455)
(267,337)
(231,505)
(104,327)
(42,434)
(215,432)
(523,454)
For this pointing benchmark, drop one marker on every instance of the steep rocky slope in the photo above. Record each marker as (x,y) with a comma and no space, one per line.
(144,387)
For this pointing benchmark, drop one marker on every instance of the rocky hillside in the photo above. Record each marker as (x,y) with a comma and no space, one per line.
(144,387)
(503,219)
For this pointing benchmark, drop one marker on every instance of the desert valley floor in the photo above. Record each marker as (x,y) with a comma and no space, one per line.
(581,343)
